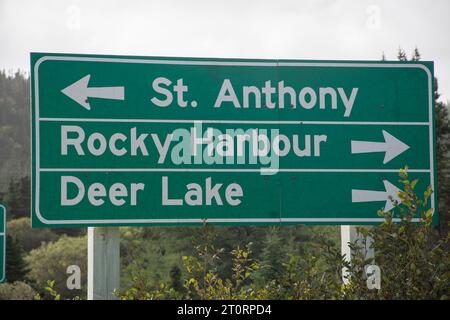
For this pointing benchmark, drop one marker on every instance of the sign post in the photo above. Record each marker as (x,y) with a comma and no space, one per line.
(103,263)
(349,234)
(2,243)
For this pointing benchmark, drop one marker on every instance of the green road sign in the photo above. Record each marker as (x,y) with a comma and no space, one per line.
(2,243)
(143,140)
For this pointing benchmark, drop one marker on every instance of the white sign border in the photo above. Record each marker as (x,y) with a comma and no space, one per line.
(218,63)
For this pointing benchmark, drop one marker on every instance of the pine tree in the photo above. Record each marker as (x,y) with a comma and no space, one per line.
(25,196)
(442,123)
(12,199)
(16,267)
(401,56)
(14,126)
(416,55)
(272,263)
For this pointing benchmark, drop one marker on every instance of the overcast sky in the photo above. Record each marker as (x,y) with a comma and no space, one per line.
(321,29)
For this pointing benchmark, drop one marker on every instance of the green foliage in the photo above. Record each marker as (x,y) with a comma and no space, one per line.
(414,265)
(16,291)
(305,277)
(442,124)
(140,293)
(148,254)
(204,283)
(50,261)
(29,238)
(52,293)
(16,267)
(12,198)
(272,264)
(175,281)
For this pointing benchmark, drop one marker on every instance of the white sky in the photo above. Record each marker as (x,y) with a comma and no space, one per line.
(321,29)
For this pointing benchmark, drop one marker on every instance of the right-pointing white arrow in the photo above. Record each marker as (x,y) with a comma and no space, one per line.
(391,146)
(371,196)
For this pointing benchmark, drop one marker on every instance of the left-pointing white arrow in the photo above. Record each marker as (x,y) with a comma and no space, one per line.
(391,146)
(372,196)
(80,91)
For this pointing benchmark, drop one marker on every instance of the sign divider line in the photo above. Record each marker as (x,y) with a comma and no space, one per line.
(220,170)
(299,122)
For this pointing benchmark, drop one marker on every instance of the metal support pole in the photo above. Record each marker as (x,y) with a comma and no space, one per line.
(349,234)
(103,263)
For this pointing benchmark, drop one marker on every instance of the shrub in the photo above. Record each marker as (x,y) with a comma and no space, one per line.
(414,264)
(50,262)
(16,291)
(29,239)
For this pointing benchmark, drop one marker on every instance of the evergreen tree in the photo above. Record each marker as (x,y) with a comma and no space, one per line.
(16,267)
(272,255)
(442,123)
(14,126)
(416,55)
(12,199)
(25,196)
(401,55)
